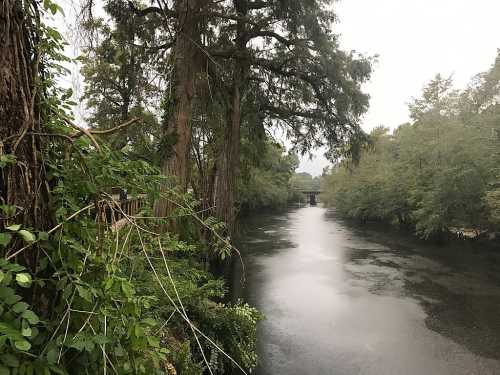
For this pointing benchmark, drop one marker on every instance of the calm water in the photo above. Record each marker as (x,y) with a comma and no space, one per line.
(347,300)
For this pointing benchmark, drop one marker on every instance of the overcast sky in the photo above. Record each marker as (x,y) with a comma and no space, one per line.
(415,40)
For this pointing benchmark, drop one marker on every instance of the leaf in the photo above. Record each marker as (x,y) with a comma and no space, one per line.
(26,332)
(52,356)
(84,293)
(58,370)
(108,284)
(6,292)
(149,321)
(12,299)
(14,267)
(43,236)
(53,8)
(5,239)
(31,317)
(14,227)
(101,339)
(23,345)
(127,289)
(153,341)
(24,279)
(9,360)
(4,370)
(27,236)
(2,275)
(20,307)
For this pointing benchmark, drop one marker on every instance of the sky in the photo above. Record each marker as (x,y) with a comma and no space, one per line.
(414,40)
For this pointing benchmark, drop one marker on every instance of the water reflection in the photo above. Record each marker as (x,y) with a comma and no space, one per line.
(345,300)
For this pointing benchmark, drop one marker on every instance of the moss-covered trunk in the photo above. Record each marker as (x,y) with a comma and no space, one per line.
(23,181)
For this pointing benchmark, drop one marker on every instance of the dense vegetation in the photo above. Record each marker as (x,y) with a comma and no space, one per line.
(438,174)
(180,98)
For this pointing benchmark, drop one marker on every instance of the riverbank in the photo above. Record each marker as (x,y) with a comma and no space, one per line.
(467,238)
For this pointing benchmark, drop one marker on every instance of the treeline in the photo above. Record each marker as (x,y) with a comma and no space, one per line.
(181,98)
(439,174)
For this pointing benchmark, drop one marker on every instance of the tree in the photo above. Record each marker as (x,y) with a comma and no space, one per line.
(279,59)
(438,173)
(286,54)
(120,78)
(24,184)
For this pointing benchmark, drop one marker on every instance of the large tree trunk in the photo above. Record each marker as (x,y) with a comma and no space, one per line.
(23,184)
(186,52)
(228,163)
(229,157)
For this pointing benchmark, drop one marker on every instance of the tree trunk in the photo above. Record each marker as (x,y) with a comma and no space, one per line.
(23,183)
(228,162)
(176,162)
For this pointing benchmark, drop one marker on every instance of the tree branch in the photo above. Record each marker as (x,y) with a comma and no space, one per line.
(107,131)
(152,10)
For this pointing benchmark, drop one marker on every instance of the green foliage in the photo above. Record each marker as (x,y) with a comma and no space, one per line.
(104,295)
(106,298)
(120,79)
(264,182)
(437,174)
(301,182)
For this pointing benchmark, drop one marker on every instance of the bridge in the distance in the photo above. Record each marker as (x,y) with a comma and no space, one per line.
(312,194)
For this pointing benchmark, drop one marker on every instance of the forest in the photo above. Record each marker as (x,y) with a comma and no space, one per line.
(115,228)
(437,175)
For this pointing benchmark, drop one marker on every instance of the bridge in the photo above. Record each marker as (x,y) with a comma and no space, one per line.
(311,194)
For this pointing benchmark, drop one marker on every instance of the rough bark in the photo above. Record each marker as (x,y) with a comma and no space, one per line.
(228,162)
(24,183)
(186,55)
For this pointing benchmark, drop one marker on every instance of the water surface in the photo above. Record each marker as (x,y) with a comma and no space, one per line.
(340,299)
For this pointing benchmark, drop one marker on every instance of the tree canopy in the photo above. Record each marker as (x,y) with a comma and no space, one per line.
(438,173)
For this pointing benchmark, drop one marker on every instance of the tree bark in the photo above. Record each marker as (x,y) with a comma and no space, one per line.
(228,162)
(186,51)
(23,184)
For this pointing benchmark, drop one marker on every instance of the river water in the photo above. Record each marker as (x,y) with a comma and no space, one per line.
(340,299)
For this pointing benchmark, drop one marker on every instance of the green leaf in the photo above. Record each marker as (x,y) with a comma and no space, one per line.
(127,289)
(7,159)
(58,370)
(27,236)
(9,360)
(52,355)
(43,236)
(14,227)
(24,279)
(149,321)
(6,292)
(153,341)
(12,299)
(108,284)
(4,370)
(101,339)
(53,8)
(84,293)
(2,275)
(23,345)
(20,307)
(26,332)
(5,239)
(31,317)
(78,344)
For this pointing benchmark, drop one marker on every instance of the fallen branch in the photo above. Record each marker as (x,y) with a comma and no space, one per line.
(82,130)
(108,131)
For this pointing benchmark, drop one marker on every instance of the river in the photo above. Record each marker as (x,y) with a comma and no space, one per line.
(342,299)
